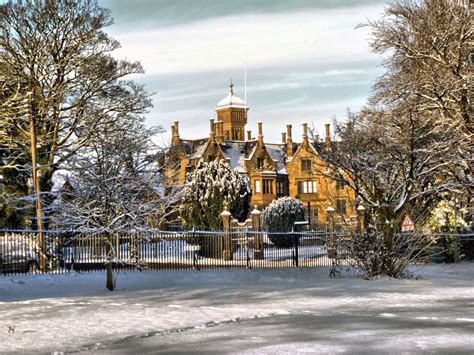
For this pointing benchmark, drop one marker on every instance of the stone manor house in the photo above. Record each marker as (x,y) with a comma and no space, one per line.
(288,168)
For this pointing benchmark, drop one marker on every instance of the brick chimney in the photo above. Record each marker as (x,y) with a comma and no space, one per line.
(249,135)
(283,137)
(305,132)
(327,139)
(175,141)
(260,133)
(289,141)
(212,131)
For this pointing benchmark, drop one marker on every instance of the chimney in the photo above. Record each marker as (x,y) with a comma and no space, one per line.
(260,133)
(249,135)
(283,137)
(316,138)
(212,132)
(220,132)
(327,139)
(175,134)
(305,132)
(289,142)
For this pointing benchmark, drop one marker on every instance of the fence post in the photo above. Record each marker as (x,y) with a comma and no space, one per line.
(360,218)
(257,240)
(225,215)
(330,232)
(296,238)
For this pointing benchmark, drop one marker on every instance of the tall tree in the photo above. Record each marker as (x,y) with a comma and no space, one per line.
(412,143)
(58,53)
(116,187)
(428,44)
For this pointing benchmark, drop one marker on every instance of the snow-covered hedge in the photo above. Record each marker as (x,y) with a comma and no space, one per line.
(209,188)
(280,216)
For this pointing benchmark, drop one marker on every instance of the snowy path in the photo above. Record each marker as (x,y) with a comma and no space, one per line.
(239,311)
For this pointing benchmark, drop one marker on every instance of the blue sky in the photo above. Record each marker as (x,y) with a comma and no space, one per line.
(305,60)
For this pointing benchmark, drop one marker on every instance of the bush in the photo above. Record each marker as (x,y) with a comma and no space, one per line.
(376,253)
(280,216)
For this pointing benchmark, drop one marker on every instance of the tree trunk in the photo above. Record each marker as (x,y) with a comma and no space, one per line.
(110,275)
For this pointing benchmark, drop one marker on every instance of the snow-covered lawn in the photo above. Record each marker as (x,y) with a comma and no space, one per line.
(241,311)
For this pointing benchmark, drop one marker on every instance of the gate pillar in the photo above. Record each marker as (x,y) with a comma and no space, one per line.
(225,215)
(257,241)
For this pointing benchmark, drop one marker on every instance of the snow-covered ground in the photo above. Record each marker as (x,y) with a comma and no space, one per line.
(239,311)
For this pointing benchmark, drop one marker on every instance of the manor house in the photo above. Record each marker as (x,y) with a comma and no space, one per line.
(288,168)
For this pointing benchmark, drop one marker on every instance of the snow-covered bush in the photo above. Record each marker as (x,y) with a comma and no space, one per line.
(373,254)
(209,188)
(280,216)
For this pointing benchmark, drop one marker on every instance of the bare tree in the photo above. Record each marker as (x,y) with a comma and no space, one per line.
(396,161)
(116,187)
(412,143)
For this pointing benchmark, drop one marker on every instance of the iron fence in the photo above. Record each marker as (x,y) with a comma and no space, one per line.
(64,251)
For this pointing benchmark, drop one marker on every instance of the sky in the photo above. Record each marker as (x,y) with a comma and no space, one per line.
(305,60)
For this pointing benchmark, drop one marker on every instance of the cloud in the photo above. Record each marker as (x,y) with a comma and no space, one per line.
(260,40)
(302,65)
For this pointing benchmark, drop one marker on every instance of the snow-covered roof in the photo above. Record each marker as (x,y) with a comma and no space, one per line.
(235,152)
(231,101)
(194,148)
(277,152)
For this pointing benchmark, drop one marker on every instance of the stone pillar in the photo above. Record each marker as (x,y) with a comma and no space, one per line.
(225,215)
(257,241)
(360,219)
(330,232)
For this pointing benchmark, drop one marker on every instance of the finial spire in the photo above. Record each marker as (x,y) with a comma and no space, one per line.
(231,87)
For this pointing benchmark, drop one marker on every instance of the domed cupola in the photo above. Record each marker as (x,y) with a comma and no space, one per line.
(232,112)
(231,101)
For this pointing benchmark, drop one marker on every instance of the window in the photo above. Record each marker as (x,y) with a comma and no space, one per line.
(189,169)
(280,188)
(307,187)
(305,164)
(267,186)
(340,184)
(257,186)
(211,158)
(341,207)
(260,163)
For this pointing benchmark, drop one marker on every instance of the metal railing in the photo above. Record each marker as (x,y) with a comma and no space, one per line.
(158,250)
